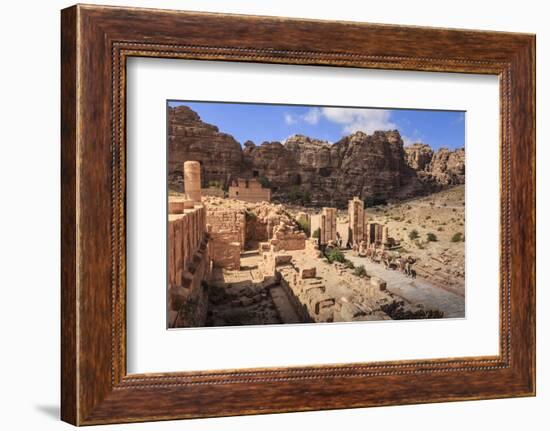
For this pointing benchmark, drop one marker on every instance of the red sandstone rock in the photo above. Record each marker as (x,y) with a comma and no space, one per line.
(436,169)
(376,167)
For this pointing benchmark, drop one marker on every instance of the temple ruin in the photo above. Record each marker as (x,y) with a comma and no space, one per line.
(249,190)
(356,216)
(234,262)
(307,230)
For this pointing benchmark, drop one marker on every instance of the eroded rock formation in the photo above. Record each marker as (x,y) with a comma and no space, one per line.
(375,167)
(189,138)
(443,167)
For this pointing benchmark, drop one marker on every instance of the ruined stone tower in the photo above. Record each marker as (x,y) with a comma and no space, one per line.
(328,225)
(192,181)
(356,215)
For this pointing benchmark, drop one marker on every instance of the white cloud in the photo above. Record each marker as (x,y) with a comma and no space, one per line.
(365,120)
(312,116)
(415,138)
(290,119)
(351,119)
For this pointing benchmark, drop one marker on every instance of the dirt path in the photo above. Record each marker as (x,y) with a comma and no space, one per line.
(416,291)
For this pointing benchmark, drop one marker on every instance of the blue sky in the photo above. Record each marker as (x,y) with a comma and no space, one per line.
(259,122)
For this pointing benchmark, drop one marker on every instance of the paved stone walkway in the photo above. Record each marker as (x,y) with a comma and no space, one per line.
(414,290)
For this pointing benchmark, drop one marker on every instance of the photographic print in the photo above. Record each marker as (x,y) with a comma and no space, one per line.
(291,214)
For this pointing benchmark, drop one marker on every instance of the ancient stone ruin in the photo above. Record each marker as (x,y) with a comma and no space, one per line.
(356,214)
(249,190)
(209,237)
(188,255)
(299,230)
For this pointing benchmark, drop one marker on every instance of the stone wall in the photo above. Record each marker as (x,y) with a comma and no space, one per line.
(305,292)
(188,266)
(249,190)
(287,238)
(315,298)
(227,229)
(256,231)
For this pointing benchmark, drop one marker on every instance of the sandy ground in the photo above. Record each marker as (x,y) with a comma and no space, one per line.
(441,214)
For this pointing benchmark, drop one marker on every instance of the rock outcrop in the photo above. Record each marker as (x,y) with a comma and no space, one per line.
(308,171)
(448,167)
(440,168)
(419,156)
(189,138)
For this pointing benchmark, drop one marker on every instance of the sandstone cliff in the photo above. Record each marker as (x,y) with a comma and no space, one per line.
(375,167)
(189,138)
(440,168)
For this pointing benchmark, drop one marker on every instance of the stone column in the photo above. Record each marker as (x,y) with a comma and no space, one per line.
(323,230)
(192,181)
(356,217)
(371,233)
(384,235)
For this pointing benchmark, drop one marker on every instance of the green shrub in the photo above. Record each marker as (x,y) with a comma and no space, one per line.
(297,195)
(305,226)
(215,184)
(413,234)
(360,271)
(457,237)
(431,237)
(264,181)
(316,233)
(334,255)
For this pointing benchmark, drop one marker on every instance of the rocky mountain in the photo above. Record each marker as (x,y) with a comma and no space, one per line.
(442,167)
(418,156)
(376,167)
(189,138)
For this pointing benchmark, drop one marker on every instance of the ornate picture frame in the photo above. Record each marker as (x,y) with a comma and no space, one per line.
(96,41)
